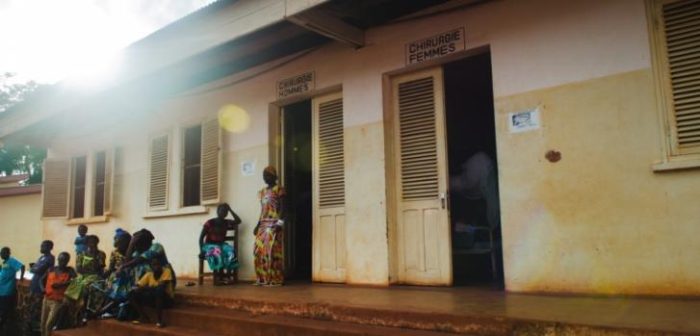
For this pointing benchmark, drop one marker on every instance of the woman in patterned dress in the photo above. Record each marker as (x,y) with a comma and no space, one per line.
(90,266)
(118,284)
(269,236)
(213,246)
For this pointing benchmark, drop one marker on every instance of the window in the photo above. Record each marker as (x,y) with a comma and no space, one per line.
(85,181)
(192,166)
(78,186)
(195,169)
(100,178)
(675,39)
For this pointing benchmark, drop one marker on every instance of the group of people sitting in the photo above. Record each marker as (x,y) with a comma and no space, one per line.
(138,272)
(61,296)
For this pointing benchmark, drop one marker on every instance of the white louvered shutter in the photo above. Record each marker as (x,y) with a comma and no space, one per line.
(211,162)
(55,189)
(329,184)
(681,26)
(109,180)
(331,155)
(418,138)
(422,228)
(158,173)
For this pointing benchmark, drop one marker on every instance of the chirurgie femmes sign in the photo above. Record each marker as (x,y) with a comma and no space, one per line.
(435,46)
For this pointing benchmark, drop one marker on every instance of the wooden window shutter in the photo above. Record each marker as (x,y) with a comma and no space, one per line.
(158,173)
(109,181)
(418,139)
(681,27)
(211,162)
(331,156)
(55,192)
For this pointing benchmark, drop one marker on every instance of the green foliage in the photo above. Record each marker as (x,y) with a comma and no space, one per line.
(13,92)
(22,159)
(19,159)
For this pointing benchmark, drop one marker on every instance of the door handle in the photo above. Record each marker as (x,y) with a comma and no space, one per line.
(443,199)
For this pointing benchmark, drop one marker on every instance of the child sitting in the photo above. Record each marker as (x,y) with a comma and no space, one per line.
(57,280)
(154,288)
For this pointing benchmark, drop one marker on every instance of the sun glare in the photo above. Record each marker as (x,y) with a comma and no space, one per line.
(77,40)
(233,118)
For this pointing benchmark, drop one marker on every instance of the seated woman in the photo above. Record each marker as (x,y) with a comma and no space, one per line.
(212,245)
(118,283)
(90,266)
(142,250)
(155,289)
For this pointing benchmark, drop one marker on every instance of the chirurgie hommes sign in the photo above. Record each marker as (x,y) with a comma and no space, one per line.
(436,46)
(298,84)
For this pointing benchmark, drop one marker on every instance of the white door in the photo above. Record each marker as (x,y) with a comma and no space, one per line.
(329,189)
(423,229)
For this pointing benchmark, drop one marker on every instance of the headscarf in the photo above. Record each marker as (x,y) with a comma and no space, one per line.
(118,233)
(143,234)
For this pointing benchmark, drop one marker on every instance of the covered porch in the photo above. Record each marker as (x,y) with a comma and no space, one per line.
(327,309)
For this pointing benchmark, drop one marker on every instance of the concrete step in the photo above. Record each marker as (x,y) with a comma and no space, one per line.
(117,328)
(196,321)
(234,323)
(398,319)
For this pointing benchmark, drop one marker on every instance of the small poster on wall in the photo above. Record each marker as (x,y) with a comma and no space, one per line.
(248,168)
(524,121)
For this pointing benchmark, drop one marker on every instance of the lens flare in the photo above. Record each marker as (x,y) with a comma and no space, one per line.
(234,119)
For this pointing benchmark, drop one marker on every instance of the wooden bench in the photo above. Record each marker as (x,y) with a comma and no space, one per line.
(231,238)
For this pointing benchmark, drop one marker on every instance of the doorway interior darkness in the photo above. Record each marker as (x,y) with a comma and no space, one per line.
(469,113)
(297,181)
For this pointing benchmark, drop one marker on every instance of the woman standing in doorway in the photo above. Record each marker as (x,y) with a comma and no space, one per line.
(269,237)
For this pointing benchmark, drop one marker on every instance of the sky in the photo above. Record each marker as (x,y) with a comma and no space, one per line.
(51,40)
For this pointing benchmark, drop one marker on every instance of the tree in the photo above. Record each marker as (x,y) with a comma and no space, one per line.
(12,91)
(19,159)
(22,159)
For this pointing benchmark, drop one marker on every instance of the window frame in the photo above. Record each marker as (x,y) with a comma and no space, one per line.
(176,168)
(89,194)
(674,157)
(183,165)
(96,183)
(72,188)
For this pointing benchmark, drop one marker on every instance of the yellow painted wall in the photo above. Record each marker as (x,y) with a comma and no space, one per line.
(599,221)
(20,226)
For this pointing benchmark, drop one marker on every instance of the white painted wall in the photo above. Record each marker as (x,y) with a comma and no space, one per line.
(536,44)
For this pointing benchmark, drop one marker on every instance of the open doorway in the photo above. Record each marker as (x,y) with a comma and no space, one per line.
(471,147)
(297,153)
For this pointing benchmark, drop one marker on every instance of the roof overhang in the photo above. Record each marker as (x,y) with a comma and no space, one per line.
(224,38)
